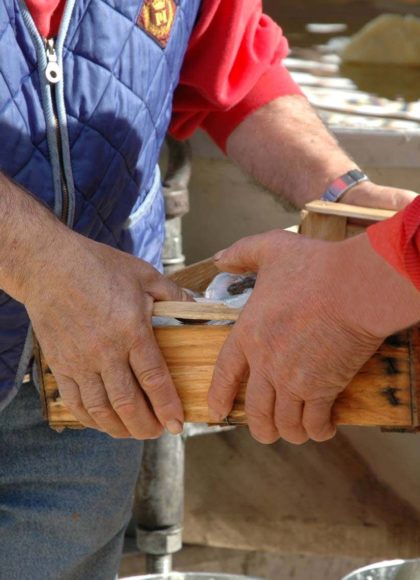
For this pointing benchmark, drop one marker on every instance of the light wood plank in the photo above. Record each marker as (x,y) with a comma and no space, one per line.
(197,276)
(384,392)
(380,394)
(323,227)
(349,211)
(196,311)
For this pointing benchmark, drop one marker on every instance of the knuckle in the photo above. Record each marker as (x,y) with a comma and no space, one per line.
(97,346)
(153,380)
(258,414)
(220,398)
(139,335)
(224,382)
(149,275)
(284,421)
(125,405)
(261,425)
(167,408)
(74,404)
(101,412)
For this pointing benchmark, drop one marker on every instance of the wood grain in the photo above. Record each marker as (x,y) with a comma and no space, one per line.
(384,393)
(195,311)
(323,227)
(197,276)
(380,394)
(349,211)
(415,374)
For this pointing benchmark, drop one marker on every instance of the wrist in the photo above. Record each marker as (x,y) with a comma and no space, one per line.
(369,194)
(29,236)
(28,260)
(364,194)
(373,297)
(344,184)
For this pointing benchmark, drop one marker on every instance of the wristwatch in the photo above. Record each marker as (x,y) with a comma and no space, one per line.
(343,184)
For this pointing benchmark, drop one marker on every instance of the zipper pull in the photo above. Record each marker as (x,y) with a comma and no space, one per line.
(53,71)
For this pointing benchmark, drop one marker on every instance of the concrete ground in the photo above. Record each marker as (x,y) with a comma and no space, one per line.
(314,512)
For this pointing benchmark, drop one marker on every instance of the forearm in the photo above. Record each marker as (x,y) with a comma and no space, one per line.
(287,148)
(27,234)
(368,292)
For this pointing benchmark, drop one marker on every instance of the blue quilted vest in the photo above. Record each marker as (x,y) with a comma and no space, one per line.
(88,144)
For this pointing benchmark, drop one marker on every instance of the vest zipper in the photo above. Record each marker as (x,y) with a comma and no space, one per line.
(49,58)
(54,74)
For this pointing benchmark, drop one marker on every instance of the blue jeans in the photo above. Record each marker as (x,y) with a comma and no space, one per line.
(65,499)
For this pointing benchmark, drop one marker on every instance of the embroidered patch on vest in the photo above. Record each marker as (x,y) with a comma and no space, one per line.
(157,18)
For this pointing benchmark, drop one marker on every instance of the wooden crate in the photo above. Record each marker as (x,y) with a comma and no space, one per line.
(384,392)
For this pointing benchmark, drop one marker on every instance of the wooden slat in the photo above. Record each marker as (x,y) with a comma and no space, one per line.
(381,390)
(380,394)
(323,227)
(354,230)
(196,311)
(197,276)
(415,374)
(349,211)
(384,392)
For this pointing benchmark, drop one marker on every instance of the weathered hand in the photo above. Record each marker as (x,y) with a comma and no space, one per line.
(91,307)
(318,312)
(368,194)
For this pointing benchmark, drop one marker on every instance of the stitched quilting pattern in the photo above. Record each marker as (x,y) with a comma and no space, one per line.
(118,87)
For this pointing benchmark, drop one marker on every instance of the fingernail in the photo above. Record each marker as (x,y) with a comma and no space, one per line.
(218,256)
(174,427)
(215,417)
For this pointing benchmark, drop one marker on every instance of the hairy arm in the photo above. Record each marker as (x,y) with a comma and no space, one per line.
(286,147)
(27,234)
(90,307)
(319,311)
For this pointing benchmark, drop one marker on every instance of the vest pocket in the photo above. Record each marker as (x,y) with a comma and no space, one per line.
(144,231)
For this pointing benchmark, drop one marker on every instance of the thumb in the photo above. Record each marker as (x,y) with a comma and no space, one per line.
(246,255)
(164,289)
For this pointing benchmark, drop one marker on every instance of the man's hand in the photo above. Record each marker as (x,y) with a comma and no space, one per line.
(91,308)
(286,147)
(368,194)
(318,312)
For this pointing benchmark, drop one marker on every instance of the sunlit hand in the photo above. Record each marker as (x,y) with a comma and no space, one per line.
(368,194)
(318,312)
(91,309)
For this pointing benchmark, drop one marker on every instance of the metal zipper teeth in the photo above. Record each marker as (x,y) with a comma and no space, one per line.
(50,49)
(62,201)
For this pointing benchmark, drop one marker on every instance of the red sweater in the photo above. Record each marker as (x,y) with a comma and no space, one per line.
(232,67)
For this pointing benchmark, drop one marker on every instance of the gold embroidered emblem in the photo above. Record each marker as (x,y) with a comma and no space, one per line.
(157,18)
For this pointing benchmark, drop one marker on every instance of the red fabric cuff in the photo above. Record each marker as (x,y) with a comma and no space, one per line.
(411,240)
(397,240)
(276,82)
(385,239)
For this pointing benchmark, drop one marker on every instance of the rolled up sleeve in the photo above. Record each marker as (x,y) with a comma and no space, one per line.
(233,66)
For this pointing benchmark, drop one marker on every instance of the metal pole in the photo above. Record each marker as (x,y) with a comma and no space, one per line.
(160,502)
(175,191)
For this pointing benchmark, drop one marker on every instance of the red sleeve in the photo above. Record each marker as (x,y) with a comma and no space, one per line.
(232,67)
(398,241)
